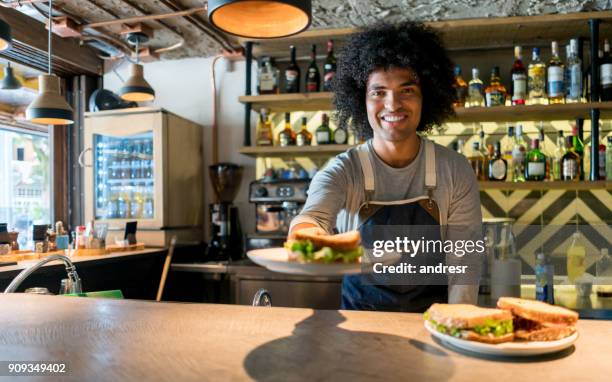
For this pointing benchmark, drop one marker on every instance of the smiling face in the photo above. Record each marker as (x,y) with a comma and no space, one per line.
(393,102)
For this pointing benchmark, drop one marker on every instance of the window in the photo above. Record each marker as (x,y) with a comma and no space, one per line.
(25,181)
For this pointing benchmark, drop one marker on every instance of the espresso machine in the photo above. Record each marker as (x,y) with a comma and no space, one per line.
(225,233)
(277,202)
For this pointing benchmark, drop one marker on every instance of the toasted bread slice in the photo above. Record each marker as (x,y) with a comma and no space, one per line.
(465,316)
(537,310)
(341,242)
(489,339)
(545,334)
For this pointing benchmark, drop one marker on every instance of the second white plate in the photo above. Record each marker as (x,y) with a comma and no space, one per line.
(277,260)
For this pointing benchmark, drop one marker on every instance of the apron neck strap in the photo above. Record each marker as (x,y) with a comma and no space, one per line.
(368,172)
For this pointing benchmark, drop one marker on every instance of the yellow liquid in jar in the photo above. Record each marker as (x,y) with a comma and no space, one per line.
(575,262)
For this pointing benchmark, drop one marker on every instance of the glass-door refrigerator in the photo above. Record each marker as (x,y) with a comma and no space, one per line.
(144,165)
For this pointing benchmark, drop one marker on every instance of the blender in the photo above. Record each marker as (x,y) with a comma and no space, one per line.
(225,235)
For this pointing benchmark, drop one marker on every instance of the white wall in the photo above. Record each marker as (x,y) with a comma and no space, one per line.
(184,88)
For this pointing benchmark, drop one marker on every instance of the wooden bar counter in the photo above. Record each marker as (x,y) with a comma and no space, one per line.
(127,340)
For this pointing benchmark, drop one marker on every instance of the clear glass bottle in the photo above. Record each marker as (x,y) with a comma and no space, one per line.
(578,147)
(303,137)
(605,73)
(570,163)
(313,78)
(475,90)
(556,90)
(536,83)
(495,93)
(323,133)
(498,166)
(264,130)
(574,74)
(558,156)
(477,160)
(292,74)
(461,88)
(268,77)
(519,78)
(535,163)
(576,254)
(519,149)
(329,67)
(287,136)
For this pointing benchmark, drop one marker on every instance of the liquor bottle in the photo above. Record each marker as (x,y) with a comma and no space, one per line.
(475,90)
(304,137)
(518,156)
(570,163)
(264,130)
(477,161)
(602,162)
(544,273)
(545,151)
(329,68)
(268,77)
(576,254)
(605,73)
(495,93)
(609,159)
(536,83)
(578,146)
(535,162)
(574,74)
(507,152)
(287,136)
(461,88)
(340,136)
(313,78)
(556,91)
(558,156)
(498,166)
(323,132)
(519,78)
(292,74)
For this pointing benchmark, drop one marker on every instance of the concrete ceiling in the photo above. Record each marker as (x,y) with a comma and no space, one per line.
(326,14)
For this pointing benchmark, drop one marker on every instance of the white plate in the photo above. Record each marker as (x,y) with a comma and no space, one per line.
(277,260)
(512,349)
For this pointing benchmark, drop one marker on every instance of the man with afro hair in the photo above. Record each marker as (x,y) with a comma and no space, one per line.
(393,83)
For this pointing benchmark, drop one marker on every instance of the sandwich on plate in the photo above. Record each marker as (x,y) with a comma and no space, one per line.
(471,322)
(539,321)
(315,245)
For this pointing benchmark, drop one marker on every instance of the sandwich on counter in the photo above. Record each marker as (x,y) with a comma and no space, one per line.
(539,321)
(471,322)
(314,245)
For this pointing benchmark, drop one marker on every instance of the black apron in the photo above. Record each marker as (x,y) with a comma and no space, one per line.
(419,211)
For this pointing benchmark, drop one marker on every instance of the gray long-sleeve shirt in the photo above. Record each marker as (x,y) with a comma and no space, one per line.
(337,192)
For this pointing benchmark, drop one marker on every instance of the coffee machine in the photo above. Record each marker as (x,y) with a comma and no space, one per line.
(225,233)
(277,202)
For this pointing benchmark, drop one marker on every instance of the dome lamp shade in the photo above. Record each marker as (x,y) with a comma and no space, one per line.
(136,88)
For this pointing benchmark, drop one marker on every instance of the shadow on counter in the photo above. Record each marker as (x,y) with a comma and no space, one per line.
(319,349)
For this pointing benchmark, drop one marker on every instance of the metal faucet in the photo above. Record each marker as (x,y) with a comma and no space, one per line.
(70,270)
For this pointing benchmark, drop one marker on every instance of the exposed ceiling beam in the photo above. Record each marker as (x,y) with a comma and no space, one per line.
(138,19)
(30,48)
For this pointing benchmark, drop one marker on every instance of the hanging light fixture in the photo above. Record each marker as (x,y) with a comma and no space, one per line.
(49,108)
(136,88)
(9,82)
(5,35)
(260,18)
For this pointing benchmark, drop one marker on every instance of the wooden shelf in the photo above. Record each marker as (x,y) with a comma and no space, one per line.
(556,185)
(293,151)
(323,101)
(465,34)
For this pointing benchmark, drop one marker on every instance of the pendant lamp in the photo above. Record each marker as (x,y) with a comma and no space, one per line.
(49,108)
(9,82)
(260,18)
(136,88)
(5,35)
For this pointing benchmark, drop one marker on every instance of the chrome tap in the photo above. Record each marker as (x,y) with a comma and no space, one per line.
(70,270)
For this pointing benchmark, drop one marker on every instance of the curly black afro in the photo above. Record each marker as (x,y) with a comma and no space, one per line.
(408,45)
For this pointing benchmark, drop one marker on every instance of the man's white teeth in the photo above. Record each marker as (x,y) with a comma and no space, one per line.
(390,118)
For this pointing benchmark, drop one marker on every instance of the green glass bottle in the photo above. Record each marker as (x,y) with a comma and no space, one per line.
(535,162)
